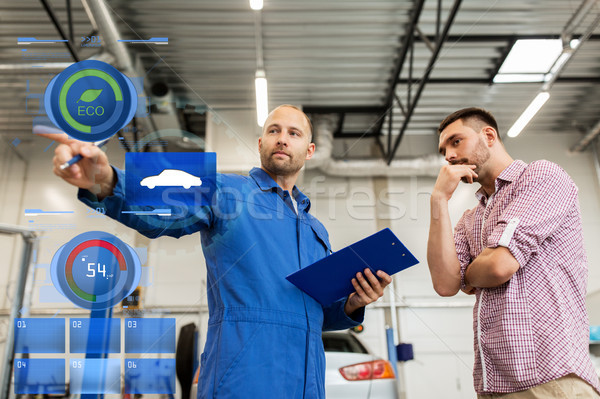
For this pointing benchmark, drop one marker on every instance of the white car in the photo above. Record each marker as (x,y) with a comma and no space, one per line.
(171,178)
(350,371)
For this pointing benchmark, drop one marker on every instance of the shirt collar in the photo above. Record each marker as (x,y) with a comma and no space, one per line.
(266,183)
(507,176)
(262,178)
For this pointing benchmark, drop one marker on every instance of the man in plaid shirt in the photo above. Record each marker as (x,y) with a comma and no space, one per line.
(521,252)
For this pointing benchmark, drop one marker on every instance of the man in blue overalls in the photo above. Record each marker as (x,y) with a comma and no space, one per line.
(264,334)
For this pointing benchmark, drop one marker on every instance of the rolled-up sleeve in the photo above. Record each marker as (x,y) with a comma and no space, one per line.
(463,251)
(536,211)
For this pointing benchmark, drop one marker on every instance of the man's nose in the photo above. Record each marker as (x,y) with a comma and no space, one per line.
(450,156)
(283,138)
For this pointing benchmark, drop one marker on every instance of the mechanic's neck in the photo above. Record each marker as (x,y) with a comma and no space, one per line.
(286,182)
(493,170)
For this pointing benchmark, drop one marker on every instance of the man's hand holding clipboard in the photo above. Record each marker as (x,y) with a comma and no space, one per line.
(367,289)
(336,276)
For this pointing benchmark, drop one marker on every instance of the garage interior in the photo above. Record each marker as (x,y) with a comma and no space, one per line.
(375,77)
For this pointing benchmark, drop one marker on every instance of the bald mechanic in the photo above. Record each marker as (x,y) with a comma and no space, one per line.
(264,334)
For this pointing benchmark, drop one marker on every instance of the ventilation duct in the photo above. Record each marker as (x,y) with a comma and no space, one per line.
(324,125)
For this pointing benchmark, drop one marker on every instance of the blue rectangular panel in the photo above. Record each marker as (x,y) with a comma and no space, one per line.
(40,335)
(170,179)
(39,376)
(95,375)
(149,335)
(96,335)
(155,376)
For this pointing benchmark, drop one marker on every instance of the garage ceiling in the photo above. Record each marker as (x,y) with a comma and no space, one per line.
(326,55)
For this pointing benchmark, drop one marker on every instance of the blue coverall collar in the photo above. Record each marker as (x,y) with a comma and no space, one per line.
(266,183)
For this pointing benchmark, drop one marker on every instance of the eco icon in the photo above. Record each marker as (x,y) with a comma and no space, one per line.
(90,100)
(90,95)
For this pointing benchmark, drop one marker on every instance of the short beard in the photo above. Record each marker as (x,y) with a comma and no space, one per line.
(479,158)
(279,168)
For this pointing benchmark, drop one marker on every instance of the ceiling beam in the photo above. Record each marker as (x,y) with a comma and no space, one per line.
(563,79)
(424,79)
(60,30)
(453,39)
(402,52)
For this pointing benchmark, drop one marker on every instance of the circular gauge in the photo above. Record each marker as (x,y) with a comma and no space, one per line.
(95,270)
(90,100)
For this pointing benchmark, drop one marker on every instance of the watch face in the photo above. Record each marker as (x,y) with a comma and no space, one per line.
(90,100)
(95,270)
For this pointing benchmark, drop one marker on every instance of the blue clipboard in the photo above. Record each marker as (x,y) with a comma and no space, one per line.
(329,279)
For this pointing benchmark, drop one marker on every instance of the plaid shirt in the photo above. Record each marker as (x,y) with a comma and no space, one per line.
(533,328)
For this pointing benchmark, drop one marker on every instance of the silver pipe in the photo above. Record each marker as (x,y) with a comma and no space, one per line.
(576,18)
(425,304)
(10,229)
(596,159)
(570,52)
(587,139)
(428,165)
(29,282)
(53,66)
(110,34)
(90,16)
(100,14)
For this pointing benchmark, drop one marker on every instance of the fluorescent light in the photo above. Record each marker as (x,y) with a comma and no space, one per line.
(262,97)
(574,43)
(518,77)
(532,56)
(256,5)
(528,114)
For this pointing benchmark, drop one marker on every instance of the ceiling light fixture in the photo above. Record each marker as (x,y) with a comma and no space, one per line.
(528,60)
(528,114)
(256,5)
(262,97)
(519,77)
(574,43)
(561,51)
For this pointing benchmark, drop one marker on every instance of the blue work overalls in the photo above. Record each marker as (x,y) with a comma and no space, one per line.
(264,334)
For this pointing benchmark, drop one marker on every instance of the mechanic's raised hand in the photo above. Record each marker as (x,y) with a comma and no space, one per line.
(449,177)
(368,289)
(93,172)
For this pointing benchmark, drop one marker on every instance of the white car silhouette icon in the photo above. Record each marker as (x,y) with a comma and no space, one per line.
(171,178)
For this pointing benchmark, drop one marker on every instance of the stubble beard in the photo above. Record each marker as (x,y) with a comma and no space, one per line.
(479,158)
(283,167)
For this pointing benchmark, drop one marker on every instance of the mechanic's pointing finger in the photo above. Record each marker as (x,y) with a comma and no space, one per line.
(52,134)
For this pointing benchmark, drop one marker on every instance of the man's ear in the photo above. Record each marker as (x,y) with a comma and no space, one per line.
(310,151)
(491,135)
(259,143)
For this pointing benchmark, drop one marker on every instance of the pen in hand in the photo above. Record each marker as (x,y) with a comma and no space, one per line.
(78,157)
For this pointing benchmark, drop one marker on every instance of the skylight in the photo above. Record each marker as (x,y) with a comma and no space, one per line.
(529,60)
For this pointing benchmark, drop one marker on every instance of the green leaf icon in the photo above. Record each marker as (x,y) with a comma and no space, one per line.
(90,95)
